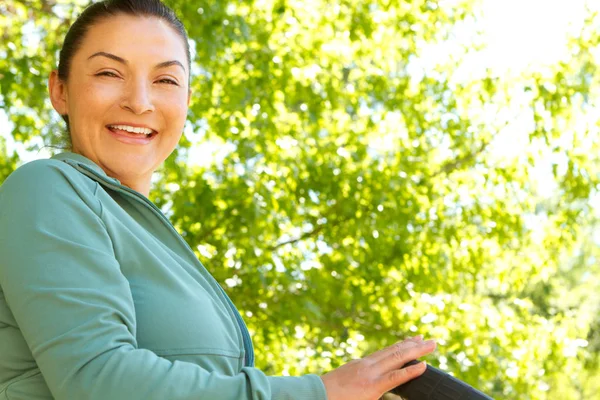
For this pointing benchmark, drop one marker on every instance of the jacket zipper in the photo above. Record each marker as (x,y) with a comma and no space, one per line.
(247,342)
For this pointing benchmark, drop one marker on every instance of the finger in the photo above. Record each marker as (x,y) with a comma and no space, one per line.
(403,354)
(398,377)
(385,352)
(380,354)
(416,339)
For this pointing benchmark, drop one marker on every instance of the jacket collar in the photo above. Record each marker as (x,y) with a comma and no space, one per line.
(75,159)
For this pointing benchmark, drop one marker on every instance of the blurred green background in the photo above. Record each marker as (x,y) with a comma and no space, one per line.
(353,172)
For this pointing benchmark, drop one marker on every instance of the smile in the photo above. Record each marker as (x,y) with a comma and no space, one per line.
(131,135)
(131,129)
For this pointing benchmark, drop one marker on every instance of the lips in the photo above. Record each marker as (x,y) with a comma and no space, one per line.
(130,137)
(127,132)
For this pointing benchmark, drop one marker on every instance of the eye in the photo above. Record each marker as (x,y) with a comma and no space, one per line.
(107,73)
(112,74)
(169,81)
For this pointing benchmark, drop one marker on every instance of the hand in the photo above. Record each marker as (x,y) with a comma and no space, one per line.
(370,377)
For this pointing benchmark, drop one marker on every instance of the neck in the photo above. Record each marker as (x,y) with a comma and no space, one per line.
(141,187)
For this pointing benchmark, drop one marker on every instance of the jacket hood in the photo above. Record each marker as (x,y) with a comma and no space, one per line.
(75,159)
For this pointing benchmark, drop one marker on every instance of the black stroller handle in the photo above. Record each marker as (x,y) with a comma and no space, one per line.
(435,384)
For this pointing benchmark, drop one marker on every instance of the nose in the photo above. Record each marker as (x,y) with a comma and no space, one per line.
(137,98)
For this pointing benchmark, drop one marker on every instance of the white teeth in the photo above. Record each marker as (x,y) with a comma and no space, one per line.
(145,131)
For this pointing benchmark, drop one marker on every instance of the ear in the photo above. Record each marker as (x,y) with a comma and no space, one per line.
(58,93)
(189,96)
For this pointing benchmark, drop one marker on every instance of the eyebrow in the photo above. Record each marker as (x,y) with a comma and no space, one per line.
(163,64)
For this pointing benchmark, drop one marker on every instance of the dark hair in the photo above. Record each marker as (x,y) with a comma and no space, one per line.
(103,10)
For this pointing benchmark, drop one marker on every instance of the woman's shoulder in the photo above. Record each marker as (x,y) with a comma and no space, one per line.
(45,172)
(44,179)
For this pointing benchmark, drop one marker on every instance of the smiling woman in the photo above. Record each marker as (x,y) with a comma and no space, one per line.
(100,297)
(114,87)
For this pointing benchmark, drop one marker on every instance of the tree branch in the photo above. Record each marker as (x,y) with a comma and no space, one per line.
(305,235)
(454,165)
(313,232)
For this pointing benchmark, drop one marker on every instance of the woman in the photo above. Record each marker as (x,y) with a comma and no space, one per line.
(100,297)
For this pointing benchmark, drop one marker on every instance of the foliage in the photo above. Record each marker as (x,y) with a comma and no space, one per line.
(354,196)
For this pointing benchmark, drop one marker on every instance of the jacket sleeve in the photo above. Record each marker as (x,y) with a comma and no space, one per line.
(75,309)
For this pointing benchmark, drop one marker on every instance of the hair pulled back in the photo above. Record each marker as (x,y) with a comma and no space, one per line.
(105,9)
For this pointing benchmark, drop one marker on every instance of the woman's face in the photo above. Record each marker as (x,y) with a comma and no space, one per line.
(129,71)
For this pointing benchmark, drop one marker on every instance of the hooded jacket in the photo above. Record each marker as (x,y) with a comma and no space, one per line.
(101,298)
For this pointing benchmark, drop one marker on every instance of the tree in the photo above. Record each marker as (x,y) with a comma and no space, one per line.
(358,196)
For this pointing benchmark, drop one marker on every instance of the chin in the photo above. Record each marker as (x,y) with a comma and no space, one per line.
(127,165)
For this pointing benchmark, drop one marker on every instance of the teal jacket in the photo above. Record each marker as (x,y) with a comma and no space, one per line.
(100,298)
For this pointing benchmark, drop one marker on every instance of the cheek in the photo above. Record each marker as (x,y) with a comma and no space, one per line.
(175,111)
(94,98)
(101,90)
